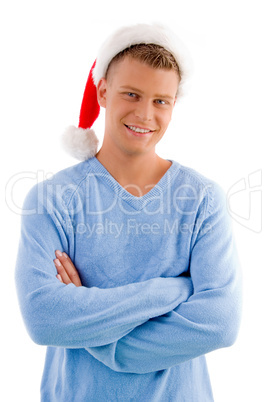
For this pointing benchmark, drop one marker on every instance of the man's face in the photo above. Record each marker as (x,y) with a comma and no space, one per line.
(139,101)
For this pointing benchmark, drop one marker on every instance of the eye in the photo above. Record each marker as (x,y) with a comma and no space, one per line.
(161,102)
(131,94)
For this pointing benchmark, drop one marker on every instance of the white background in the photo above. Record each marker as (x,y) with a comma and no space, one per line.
(47,48)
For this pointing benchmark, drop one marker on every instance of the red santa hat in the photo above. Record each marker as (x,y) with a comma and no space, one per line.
(82,142)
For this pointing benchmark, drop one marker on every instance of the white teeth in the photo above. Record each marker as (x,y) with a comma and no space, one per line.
(139,130)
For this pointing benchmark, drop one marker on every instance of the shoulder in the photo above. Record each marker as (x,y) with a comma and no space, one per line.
(188,175)
(206,191)
(59,189)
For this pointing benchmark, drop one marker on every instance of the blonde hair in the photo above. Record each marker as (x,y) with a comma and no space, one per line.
(154,55)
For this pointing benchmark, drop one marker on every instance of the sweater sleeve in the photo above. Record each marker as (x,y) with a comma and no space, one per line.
(208,320)
(56,314)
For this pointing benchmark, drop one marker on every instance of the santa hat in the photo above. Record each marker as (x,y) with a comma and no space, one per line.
(82,142)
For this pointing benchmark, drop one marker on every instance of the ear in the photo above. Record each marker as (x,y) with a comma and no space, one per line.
(102,92)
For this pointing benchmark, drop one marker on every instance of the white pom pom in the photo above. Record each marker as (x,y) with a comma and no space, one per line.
(80,143)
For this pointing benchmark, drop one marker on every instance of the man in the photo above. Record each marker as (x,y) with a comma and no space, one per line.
(146,278)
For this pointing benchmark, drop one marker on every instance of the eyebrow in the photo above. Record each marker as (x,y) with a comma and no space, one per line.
(160,96)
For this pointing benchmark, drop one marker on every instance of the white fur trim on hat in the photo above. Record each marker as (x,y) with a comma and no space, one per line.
(80,143)
(143,33)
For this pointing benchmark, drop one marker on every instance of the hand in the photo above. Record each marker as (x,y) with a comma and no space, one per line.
(67,273)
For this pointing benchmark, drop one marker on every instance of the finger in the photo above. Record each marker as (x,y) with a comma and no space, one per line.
(62,272)
(69,267)
(59,278)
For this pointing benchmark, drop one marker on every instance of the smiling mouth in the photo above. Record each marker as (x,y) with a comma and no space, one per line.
(139,130)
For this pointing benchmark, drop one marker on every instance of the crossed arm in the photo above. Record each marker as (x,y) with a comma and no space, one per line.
(140,327)
(79,317)
(208,320)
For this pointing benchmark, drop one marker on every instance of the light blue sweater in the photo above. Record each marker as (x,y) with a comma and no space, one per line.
(161,285)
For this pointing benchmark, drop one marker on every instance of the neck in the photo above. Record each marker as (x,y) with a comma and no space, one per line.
(138,173)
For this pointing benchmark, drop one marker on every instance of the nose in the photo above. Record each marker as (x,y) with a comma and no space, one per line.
(144,110)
